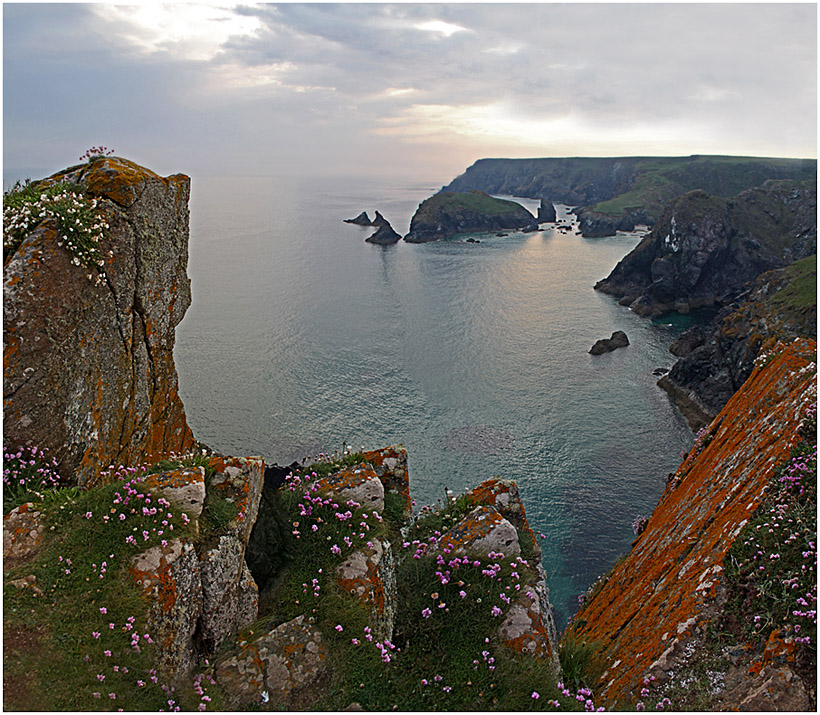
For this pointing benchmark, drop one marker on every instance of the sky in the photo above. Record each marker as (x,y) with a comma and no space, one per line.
(419,91)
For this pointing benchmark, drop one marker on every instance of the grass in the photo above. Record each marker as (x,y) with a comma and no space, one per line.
(80,613)
(801,292)
(475,201)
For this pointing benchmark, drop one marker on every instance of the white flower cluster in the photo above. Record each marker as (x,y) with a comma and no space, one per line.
(80,226)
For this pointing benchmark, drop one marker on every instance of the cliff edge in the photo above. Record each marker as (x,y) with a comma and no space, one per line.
(89,319)
(703,579)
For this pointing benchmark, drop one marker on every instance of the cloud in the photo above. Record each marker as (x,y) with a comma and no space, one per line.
(225,85)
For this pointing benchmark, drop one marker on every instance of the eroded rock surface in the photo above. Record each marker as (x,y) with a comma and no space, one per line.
(655,605)
(89,369)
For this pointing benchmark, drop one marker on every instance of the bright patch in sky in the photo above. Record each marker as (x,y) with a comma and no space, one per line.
(445,28)
(192,31)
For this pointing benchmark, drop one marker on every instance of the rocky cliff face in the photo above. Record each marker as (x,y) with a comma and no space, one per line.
(89,370)
(705,249)
(655,611)
(447,214)
(716,360)
(617,192)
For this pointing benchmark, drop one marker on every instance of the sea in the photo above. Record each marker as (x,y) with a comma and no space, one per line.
(304,339)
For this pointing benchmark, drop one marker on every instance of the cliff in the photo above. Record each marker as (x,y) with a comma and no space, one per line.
(704,249)
(715,360)
(448,214)
(622,191)
(703,589)
(89,314)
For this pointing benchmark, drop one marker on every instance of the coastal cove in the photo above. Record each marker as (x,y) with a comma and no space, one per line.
(302,337)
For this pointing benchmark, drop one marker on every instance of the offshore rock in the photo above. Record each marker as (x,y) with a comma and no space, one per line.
(546,212)
(704,249)
(89,369)
(617,340)
(361,220)
(656,603)
(385,235)
(594,224)
(284,663)
(448,214)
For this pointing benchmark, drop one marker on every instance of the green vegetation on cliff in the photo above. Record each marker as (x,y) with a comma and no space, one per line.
(637,185)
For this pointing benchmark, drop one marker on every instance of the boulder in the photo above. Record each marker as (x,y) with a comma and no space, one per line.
(279,665)
(361,220)
(23,529)
(89,363)
(359,483)
(617,340)
(390,465)
(482,531)
(369,574)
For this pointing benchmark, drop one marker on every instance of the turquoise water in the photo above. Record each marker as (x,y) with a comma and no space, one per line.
(302,337)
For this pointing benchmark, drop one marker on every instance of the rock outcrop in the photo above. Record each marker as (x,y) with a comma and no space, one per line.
(448,214)
(617,340)
(705,249)
(200,593)
(651,612)
(716,360)
(595,224)
(635,187)
(546,212)
(361,220)
(385,235)
(88,367)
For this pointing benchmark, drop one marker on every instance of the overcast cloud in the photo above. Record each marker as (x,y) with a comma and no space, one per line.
(419,91)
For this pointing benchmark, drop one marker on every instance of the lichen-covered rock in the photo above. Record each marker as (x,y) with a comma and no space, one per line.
(390,465)
(370,574)
(169,577)
(282,663)
(89,368)
(482,531)
(359,483)
(529,626)
(503,494)
(227,597)
(184,488)
(23,529)
(240,481)
(656,602)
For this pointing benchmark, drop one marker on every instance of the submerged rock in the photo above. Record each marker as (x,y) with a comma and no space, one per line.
(477,439)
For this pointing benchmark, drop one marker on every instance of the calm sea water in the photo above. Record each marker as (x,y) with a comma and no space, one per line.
(302,337)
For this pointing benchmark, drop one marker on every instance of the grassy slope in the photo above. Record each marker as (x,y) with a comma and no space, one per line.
(473,201)
(660,179)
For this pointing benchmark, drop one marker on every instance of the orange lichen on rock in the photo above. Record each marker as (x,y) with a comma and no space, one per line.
(358,483)
(660,595)
(390,465)
(88,368)
(503,494)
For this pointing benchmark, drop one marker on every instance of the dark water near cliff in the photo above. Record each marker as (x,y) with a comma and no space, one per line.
(474,356)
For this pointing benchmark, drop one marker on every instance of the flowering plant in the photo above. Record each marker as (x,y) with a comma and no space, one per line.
(26,472)
(80,225)
(95,152)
